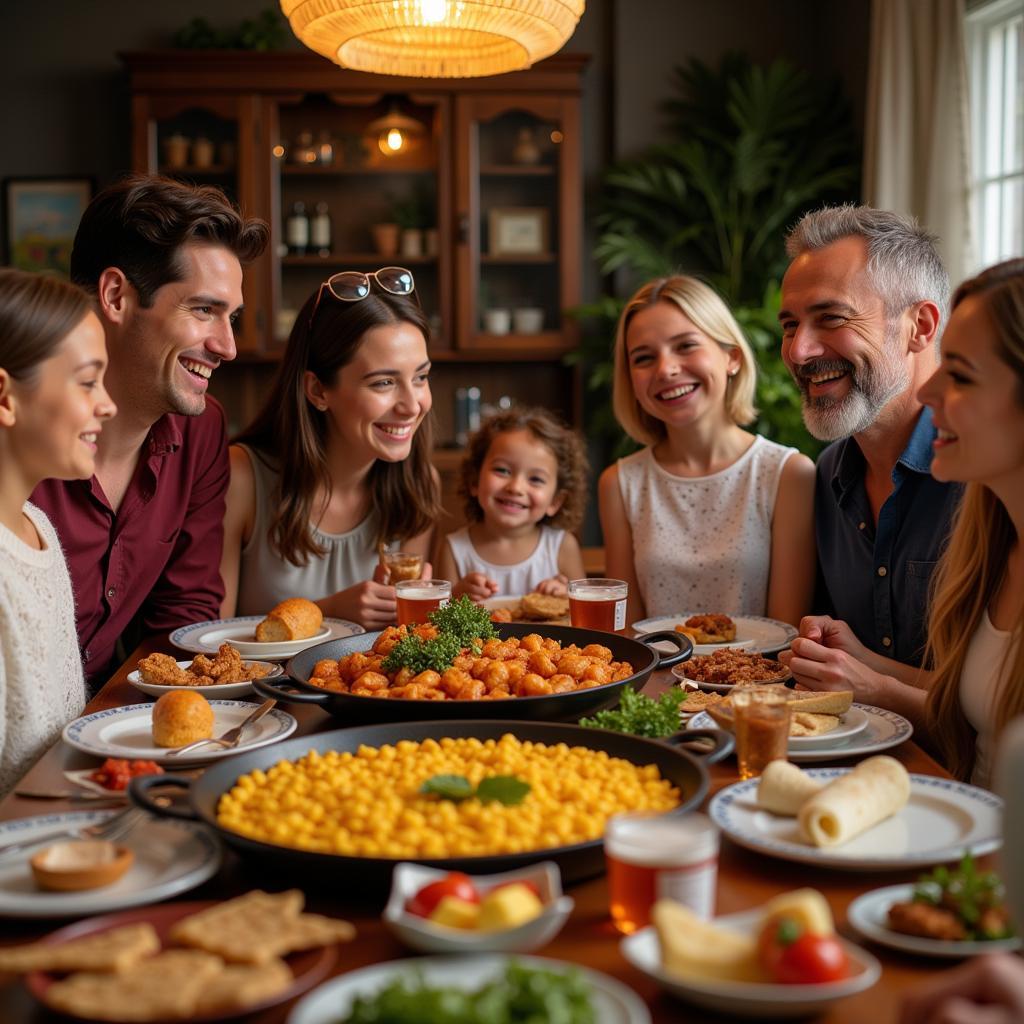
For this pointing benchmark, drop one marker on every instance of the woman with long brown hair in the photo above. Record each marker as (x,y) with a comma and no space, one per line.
(336,466)
(974,683)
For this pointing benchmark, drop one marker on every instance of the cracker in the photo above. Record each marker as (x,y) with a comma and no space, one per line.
(542,607)
(162,987)
(114,950)
(241,985)
(309,930)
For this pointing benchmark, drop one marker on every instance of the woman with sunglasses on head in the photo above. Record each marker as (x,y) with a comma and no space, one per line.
(336,467)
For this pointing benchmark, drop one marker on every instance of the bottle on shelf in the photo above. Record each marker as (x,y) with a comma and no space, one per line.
(320,230)
(297,229)
(325,148)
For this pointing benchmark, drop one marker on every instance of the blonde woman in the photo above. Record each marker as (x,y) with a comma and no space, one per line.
(708,517)
(976,618)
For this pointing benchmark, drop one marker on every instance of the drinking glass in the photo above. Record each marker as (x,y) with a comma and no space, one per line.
(402,565)
(652,857)
(416,599)
(598,604)
(761,720)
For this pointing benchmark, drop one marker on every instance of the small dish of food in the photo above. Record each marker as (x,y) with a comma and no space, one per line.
(224,674)
(435,911)
(726,668)
(533,607)
(717,630)
(951,912)
(80,864)
(781,960)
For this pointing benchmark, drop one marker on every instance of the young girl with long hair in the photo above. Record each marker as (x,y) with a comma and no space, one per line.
(973,684)
(708,517)
(524,483)
(336,467)
(52,408)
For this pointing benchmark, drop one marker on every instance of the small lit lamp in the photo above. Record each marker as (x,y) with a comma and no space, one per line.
(395,132)
(434,38)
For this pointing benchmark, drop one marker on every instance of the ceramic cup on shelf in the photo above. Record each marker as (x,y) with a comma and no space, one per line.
(528,320)
(412,242)
(385,239)
(176,150)
(497,321)
(202,152)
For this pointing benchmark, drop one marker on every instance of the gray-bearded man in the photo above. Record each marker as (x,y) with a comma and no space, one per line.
(862,302)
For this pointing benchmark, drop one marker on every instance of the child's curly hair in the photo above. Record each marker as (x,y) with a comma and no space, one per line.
(564,443)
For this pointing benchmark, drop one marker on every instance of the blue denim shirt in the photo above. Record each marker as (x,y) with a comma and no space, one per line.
(876,578)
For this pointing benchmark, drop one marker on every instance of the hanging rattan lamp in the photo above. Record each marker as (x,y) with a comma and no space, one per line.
(434,38)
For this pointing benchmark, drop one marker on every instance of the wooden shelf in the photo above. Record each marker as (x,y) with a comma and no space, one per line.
(517,170)
(357,259)
(212,170)
(333,170)
(539,257)
(503,348)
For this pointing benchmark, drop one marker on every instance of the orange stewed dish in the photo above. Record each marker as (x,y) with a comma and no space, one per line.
(530,666)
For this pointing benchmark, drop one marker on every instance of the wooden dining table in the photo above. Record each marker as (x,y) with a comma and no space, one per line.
(745,880)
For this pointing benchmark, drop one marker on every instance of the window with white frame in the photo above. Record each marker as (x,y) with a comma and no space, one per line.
(995,49)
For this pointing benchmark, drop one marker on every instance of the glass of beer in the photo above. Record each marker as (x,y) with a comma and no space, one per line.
(761,720)
(653,857)
(416,599)
(598,604)
(401,565)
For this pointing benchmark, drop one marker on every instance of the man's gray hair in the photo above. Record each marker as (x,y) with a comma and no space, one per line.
(903,262)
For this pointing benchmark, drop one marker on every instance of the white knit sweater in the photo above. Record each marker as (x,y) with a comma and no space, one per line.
(41,682)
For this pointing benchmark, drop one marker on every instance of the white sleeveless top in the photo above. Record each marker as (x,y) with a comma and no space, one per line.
(979,690)
(703,544)
(265,578)
(520,578)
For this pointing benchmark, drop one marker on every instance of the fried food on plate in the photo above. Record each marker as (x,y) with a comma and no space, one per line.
(712,628)
(226,666)
(292,619)
(114,950)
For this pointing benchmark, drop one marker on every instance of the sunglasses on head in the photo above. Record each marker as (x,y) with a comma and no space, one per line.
(354,285)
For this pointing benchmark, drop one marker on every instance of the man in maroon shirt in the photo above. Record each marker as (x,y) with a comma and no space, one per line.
(143,536)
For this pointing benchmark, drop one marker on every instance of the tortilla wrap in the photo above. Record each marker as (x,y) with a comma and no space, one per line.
(873,791)
(784,788)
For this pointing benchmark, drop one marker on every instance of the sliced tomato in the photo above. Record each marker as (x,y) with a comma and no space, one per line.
(455,883)
(811,960)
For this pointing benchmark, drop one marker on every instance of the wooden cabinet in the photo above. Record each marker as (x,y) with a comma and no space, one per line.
(486,188)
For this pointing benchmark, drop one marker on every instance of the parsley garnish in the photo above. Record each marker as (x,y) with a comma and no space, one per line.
(505,789)
(641,715)
(464,620)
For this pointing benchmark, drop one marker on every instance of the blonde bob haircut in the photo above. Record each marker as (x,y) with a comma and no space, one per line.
(700,304)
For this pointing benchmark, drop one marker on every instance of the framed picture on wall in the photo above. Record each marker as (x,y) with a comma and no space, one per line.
(41,216)
(518,231)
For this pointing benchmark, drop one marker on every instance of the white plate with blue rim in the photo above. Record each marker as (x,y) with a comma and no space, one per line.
(869,915)
(128,732)
(171,857)
(753,633)
(876,730)
(746,998)
(223,691)
(942,820)
(240,632)
(613,1002)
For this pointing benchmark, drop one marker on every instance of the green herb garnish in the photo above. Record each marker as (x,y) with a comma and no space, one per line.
(976,897)
(505,789)
(418,655)
(463,619)
(640,715)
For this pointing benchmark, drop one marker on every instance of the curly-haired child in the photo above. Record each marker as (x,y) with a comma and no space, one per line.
(524,481)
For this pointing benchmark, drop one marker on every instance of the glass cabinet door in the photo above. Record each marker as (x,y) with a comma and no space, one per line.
(519,222)
(205,139)
(357,183)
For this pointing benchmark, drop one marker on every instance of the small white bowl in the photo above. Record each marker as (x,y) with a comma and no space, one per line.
(745,998)
(426,937)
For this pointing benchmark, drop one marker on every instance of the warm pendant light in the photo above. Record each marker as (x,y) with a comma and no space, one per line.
(434,38)
(394,132)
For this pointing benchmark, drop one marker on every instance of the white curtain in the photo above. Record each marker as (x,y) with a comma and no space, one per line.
(917,133)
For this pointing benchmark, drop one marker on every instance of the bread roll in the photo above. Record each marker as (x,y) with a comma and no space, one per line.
(784,788)
(873,791)
(180,717)
(292,619)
